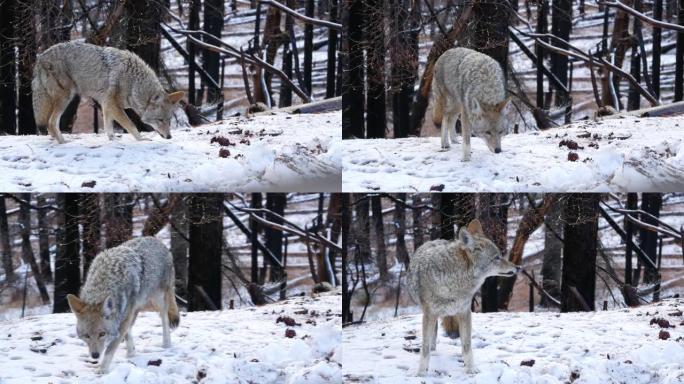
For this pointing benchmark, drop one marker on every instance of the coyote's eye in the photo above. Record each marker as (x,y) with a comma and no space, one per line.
(102,334)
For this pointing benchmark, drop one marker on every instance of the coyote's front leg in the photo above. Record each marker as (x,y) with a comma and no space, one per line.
(428,328)
(465,132)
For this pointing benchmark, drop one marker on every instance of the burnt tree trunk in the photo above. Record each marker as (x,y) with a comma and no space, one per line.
(276,202)
(255,203)
(650,203)
(493,215)
(67,263)
(193,25)
(8,90)
(418,230)
(679,57)
(657,39)
(43,240)
(90,221)
(179,245)
(118,218)
(331,73)
(376,116)
(308,47)
(26,47)
(205,214)
(400,225)
(346,219)
(561,26)
(353,94)
(379,226)
(213,24)
(6,244)
(553,246)
(362,227)
(580,217)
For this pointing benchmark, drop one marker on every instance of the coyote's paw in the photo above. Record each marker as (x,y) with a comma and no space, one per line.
(444,148)
(472,370)
(454,139)
(101,370)
(465,157)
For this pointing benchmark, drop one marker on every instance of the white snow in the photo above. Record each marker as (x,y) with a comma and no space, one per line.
(230,346)
(271,152)
(596,347)
(530,161)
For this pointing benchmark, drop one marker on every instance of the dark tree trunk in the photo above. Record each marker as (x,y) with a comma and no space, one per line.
(213,24)
(400,225)
(26,44)
(353,94)
(205,212)
(418,230)
(90,220)
(447,213)
(634,98)
(6,244)
(561,25)
(43,240)
(494,218)
(332,54)
(553,246)
(379,226)
(632,203)
(285,99)
(346,219)
(118,218)
(8,90)
(464,209)
(362,227)
(541,28)
(193,25)
(404,60)
(276,202)
(376,116)
(580,215)
(308,47)
(657,39)
(487,32)
(650,203)
(255,203)
(179,245)
(679,57)
(27,250)
(67,263)
(143,33)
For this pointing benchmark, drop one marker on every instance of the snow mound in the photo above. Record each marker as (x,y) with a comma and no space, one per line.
(230,346)
(626,154)
(268,152)
(597,347)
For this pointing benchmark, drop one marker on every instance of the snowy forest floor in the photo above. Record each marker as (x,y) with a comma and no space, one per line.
(268,152)
(621,346)
(627,154)
(237,346)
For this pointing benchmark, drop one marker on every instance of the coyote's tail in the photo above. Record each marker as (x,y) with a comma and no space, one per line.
(42,108)
(450,325)
(174,316)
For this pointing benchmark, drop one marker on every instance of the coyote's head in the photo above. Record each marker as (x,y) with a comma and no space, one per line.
(487,123)
(96,324)
(483,253)
(159,111)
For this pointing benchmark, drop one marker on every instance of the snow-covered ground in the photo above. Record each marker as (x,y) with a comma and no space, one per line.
(598,347)
(626,154)
(268,152)
(230,346)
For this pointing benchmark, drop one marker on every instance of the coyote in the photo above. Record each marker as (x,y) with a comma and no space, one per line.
(121,282)
(114,78)
(444,276)
(472,85)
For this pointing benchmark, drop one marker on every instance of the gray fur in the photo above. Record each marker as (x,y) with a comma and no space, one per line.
(115,78)
(443,278)
(121,282)
(472,85)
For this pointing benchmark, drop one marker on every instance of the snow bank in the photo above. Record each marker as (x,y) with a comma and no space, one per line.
(231,346)
(268,152)
(628,154)
(599,347)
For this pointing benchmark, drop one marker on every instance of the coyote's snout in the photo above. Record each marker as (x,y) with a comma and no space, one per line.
(121,282)
(444,276)
(116,79)
(471,85)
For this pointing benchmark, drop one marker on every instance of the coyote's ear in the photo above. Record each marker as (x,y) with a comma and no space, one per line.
(466,238)
(108,306)
(176,96)
(77,305)
(503,104)
(475,227)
